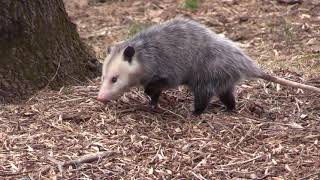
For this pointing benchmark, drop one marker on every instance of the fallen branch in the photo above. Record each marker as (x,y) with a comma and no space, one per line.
(88,158)
(76,162)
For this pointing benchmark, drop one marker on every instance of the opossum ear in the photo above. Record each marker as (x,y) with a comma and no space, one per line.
(128,53)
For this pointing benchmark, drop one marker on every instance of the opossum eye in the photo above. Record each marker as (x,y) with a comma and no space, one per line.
(114,79)
(109,50)
(128,53)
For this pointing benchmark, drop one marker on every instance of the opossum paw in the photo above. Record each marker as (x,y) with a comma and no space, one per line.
(197,112)
(229,110)
(154,105)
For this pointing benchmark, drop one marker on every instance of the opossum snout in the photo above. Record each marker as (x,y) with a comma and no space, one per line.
(102,99)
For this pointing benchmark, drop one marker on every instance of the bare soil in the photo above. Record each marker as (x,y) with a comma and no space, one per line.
(273,135)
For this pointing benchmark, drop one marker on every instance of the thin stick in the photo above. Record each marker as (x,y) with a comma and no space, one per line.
(172,112)
(198,176)
(248,133)
(242,162)
(310,175)
(55,74)
(4,174)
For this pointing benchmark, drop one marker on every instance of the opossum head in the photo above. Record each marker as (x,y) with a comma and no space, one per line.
(120,71)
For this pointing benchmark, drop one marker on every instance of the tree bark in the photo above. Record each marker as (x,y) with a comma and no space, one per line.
(39,47)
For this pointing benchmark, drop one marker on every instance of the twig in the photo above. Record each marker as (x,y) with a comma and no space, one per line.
(45,169)
(155,156)
(246,175)
(242,162)
(310,175)
(4,174)
(172,112)
(55,74)
(211,126)
(198,176)
(53,77)
(248,133)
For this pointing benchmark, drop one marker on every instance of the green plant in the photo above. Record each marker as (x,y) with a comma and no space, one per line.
(287,29)
(191,4)
(136,27)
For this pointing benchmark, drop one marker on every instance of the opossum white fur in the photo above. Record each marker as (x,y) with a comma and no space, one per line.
(122,71)
(181,52)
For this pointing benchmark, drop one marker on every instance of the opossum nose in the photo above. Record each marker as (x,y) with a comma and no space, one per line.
(102,99)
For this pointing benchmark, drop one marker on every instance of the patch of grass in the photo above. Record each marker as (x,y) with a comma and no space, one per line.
(288,34)
(136,27)
(191,4)
(66,91)
(282,30)
(311,56)
(304,64)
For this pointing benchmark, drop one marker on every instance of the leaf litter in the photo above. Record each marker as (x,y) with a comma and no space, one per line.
(273,135)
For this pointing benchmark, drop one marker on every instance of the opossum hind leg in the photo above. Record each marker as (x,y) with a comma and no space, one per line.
(202,97)
(228,99)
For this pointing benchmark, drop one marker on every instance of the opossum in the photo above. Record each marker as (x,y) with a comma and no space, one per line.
(181,51)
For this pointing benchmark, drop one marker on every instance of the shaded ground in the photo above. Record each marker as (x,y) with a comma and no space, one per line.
(274,133)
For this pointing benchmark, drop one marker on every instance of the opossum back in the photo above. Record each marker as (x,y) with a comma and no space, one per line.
(186,51)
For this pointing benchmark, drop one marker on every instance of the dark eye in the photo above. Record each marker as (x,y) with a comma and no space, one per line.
(114,79)
(109,48)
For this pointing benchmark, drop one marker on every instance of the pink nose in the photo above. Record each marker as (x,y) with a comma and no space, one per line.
(102,99)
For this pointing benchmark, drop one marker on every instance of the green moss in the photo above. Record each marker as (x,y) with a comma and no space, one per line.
(191,4)
(136,27)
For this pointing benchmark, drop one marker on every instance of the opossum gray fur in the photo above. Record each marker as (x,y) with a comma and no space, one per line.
(182,52)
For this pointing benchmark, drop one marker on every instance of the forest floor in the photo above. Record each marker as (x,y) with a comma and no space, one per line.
(273,135)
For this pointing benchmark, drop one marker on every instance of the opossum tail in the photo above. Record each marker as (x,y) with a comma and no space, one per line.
(285,82)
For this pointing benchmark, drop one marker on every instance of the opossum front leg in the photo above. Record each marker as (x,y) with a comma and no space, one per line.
(153,89)
(154,94)
(228,99)
(202,97)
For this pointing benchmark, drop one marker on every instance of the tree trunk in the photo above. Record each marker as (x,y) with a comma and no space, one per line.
(39,47)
